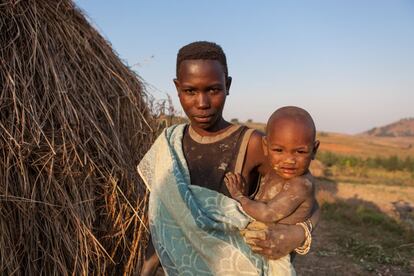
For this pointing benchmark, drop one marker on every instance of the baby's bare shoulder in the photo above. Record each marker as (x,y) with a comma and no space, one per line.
(303,180)
(303,183)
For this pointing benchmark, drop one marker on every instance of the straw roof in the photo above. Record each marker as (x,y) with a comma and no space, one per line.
(74,122)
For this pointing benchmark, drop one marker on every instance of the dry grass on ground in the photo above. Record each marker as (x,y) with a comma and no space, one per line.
(364,230)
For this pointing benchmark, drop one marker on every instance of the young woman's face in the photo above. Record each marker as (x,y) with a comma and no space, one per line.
(202,88)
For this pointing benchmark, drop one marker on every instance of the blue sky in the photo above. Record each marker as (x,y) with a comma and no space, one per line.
(350,63)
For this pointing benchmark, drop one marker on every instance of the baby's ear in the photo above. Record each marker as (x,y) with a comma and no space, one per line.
(264,146)
(315,148)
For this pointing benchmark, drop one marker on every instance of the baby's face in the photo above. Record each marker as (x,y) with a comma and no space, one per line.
(290,147)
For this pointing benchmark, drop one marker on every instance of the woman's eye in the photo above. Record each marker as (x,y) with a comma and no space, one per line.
(189,91)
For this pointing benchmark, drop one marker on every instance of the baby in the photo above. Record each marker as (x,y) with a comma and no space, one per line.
(286,194)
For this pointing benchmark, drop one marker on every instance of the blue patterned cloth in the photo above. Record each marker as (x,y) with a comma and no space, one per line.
(195,231)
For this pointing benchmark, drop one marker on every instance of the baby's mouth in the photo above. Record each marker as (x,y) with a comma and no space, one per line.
(288,169)
(285,170)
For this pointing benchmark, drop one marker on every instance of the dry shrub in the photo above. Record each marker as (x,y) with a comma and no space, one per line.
(73,125)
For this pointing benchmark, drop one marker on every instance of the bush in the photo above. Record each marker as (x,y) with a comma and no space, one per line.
(391,163)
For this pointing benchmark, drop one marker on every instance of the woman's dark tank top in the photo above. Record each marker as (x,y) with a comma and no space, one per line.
(210,158)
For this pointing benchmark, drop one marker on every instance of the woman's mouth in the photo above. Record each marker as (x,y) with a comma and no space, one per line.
(203,119)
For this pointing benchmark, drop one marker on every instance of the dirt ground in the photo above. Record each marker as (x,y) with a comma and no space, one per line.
(324,258)
(389,199)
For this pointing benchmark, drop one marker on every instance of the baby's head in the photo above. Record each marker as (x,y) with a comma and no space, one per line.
(290,143)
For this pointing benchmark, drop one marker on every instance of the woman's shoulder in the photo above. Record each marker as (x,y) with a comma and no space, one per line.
(254,156)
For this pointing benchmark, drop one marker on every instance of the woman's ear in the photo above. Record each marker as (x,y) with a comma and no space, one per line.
(228,84)
(177,84)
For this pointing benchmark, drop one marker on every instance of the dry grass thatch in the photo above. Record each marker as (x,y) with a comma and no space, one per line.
(74,123)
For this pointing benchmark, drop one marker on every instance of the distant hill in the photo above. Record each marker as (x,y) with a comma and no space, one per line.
(402,128)
(362,145)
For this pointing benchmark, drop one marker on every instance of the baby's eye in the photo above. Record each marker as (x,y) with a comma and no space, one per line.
(302,151)
(277,150)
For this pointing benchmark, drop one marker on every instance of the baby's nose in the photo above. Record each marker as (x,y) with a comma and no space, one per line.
(290,161)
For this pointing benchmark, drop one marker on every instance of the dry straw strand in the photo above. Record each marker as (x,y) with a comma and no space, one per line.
(73,119)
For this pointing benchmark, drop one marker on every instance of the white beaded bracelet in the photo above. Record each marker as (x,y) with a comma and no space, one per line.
(307,227)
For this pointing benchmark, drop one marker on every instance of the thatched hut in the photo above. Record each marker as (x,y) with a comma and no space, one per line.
(74,123)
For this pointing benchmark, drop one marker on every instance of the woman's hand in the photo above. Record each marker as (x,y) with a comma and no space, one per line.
(273,241)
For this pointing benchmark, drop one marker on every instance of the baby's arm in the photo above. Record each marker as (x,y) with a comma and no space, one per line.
(294,193)
(235,184)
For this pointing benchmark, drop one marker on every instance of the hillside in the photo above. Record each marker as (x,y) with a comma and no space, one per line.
(366,146)
(402,128)
(361,145)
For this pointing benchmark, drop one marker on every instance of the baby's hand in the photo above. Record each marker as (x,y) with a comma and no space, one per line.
(235,185)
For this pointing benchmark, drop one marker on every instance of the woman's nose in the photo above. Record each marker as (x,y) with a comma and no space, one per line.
(203,100)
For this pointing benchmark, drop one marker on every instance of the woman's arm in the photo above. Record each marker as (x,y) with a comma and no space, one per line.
(151,261)
(277,240)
